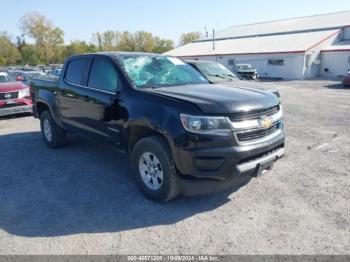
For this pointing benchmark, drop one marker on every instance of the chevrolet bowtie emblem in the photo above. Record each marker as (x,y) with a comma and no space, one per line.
(265,122)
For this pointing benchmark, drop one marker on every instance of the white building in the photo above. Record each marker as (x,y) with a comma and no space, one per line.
(297,48)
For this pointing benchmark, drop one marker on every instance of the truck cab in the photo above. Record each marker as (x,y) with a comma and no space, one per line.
(183,135)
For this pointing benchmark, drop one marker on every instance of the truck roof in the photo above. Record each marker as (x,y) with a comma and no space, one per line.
(116,54)
(191,61)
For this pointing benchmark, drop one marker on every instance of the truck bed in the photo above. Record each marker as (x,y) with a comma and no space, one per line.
(45,82)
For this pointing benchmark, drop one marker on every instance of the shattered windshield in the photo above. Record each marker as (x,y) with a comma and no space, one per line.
(149,71)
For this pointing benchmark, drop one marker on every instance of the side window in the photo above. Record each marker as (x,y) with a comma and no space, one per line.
(103,76)
(76,69)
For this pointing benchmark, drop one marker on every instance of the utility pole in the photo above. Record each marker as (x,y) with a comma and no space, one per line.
(213,39)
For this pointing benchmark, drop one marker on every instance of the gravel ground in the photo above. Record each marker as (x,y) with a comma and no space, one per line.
(81,200)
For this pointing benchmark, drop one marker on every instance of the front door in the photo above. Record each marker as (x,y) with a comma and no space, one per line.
(100,109)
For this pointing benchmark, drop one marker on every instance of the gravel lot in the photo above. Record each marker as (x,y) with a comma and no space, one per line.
(81,199)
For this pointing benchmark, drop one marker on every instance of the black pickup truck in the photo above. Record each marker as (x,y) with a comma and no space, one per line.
(183,135)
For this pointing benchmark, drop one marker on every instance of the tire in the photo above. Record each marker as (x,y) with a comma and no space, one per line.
(58,137)
(167,186)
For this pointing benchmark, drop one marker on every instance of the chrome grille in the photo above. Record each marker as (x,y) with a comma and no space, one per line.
(256,134)
(257,126)
(9,95)
(254,114)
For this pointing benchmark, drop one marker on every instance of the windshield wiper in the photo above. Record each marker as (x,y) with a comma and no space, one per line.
(224,76)
(150,87)
(219,76)
(230,75)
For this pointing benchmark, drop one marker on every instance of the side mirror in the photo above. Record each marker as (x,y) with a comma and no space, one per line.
(19,78)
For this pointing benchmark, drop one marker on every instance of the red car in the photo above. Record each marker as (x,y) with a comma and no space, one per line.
(14,97)
(346,80)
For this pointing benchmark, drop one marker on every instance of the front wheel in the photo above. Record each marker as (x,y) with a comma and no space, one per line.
(154,169)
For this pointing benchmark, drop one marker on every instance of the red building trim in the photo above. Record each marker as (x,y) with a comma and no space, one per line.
(323,40)
(335,50)
(281,52)
(263,53)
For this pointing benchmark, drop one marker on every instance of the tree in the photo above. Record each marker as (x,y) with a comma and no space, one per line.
(189,37)
(140,41)
(48,39)
(79,47)
(106,41)
(9,54)
(144,41)
(162,45)
(126,42)
(31,55)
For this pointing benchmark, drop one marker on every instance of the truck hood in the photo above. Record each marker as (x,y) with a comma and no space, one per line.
(220,99)
(11,86)
(251,85)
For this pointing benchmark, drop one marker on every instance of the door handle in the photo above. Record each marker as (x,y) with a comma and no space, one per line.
(117,98)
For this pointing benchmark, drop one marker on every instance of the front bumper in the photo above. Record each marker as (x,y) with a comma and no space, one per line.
(17,106)
(211,170)
(15,110)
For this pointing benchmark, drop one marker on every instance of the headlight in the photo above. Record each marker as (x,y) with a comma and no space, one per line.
(24,93)
(206,125)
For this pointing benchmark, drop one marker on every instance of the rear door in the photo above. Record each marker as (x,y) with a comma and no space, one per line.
(72,90)
(100,110)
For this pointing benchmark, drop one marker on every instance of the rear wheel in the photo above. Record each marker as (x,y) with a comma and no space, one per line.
(154,169)
(53,135)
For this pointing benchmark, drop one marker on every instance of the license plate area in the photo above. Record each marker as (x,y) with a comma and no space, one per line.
(10,102)
(263,168)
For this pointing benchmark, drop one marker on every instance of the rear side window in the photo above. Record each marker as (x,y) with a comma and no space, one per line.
(103,76)
(76,70)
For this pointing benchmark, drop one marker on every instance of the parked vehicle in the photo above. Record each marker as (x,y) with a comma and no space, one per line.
(14,97)
(56,72)
(25,76)
(217,73)
(183,135)
(346,79)
(4,77)
(246,71)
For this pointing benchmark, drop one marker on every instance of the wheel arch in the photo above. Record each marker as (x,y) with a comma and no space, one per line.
(41,107)
(136,133)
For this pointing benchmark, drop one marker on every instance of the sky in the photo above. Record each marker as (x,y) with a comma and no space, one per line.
(79,19)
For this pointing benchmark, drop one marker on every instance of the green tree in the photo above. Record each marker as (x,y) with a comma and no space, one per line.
(189,38)
(162,45)
(126,42)
(106,41)
(144,41)
(9,54)
(79,47)
(140,41)
(48,38)
(31,55)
